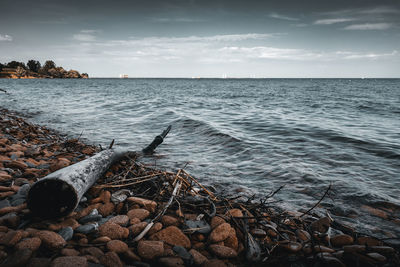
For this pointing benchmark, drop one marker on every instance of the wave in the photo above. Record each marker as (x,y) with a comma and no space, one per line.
(205,129)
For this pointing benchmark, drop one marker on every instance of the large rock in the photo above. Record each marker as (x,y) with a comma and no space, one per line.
(51,240)
(173,236)
(117,246)
(216,220)
(140,214)
(341,240)
(150,249)
(220,233)
(30,243)
(113,231)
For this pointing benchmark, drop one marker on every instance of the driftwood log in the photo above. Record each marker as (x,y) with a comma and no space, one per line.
(59,193)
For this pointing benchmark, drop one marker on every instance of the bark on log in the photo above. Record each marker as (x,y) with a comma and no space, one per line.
(59,193)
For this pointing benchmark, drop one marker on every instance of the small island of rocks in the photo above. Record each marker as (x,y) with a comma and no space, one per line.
(34,70)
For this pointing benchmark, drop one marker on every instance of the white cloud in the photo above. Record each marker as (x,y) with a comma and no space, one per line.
(369,26)
(380,10)
(213,38)
(90,31)
(352,55)
(278,16)
(221,49)
(5,37)
(332,21)
(263,52)
(86,35)
(178,20)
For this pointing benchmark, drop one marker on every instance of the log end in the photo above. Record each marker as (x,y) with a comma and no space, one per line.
(51,198)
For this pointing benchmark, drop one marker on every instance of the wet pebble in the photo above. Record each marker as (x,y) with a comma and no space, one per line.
(200,226)
(87,228)
(90,218)
(66,233)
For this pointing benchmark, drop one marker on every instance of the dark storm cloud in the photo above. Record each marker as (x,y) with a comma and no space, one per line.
(185,38)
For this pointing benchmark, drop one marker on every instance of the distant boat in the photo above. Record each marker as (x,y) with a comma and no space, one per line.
(123,76)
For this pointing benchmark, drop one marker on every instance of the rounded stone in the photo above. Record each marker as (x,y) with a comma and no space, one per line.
(292,247)
(169,220)
(137,228)
(222,251)
(113,231)
(150,249)
(51,240)
(234,213)
(220,233)
(141,214)
(173,236)
(122,220)
(341,240)
(106,209)
(117,246)
(30,243)
(216,220)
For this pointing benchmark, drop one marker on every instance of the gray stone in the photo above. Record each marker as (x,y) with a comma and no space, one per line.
(87,228)
(200,226)
(23,190)
(66,233)
(90,218)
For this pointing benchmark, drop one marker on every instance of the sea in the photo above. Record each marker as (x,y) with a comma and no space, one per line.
(245,136)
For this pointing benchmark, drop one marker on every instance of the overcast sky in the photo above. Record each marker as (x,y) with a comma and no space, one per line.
(180,38)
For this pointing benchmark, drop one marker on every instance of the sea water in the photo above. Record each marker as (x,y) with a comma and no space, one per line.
(244,135)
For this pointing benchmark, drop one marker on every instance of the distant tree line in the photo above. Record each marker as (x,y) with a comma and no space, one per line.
(48,69)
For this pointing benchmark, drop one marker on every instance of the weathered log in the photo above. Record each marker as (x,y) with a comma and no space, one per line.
(59,193)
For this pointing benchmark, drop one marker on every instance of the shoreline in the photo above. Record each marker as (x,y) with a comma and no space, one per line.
(239,233)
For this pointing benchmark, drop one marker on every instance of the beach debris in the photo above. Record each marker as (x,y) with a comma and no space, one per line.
(59,193)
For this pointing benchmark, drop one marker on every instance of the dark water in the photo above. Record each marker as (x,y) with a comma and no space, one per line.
(251,134)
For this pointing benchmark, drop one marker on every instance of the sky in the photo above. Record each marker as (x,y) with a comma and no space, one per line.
(219,38)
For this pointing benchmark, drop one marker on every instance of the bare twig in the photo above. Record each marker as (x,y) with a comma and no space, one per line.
(319,201)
